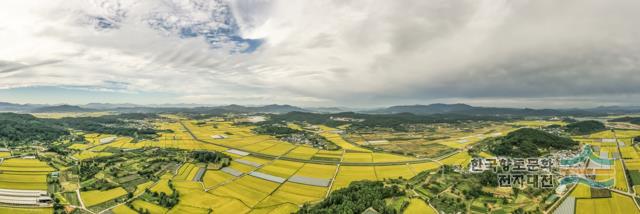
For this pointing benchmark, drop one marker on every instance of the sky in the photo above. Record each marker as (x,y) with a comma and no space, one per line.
(515,53)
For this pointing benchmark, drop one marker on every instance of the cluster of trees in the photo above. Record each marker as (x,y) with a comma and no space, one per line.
(88,169)
(59,148)
(449,204)
(585,127)
(356,198)
(274,129)
(528,142)
(487,178)
(163,199)
(210,157)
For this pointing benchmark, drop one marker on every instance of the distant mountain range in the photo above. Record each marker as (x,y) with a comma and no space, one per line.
(437,108)
(61,109)
(465,109)
(11,107)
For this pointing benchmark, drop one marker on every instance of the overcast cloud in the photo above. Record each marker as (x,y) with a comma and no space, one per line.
(324,53)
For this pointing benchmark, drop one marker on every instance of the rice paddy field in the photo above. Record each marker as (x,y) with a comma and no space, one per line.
(617,204)
(248,189)
(328,155)
(607,134)
(432,141)
(628,152)
(24,174)
(186,172)
(79,146)
(357,157)
(23,181)
(348,174)
(123,209)
(94,138)
(418,206)
(87,155)
(280,168)
(5,154)
(253,159)
(621,180)
(117,143)
(419,167)
(627,133)
(241,167)
(329,134)
(153,208)
(163,184)
(460,158)
(96,197)
(259,146)
(633,164)
(278,149)
(302,152)
(20,210)
(537,123)
(33,166)
(384,157)
(293,193)
(581,191)
(282,208)
(140,188)
(215,177)
(194,200)
(317,171)
(397,171)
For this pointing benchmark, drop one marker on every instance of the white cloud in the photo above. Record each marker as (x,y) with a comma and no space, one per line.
(327,52)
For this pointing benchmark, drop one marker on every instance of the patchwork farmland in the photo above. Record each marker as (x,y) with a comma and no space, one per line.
(214,164)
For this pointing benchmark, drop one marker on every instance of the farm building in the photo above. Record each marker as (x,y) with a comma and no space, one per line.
(247,162)
(608,140)
(107,140)
(218,136)
(376,142)
(268,177)
(24,197)
(232,171)
(199,174)
(237,152)
(310,181)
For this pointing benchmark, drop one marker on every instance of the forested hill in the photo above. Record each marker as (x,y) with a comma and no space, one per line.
(585,127)
(465,109)
(61,109)
(528,142)
(356,198)
(16,128)
(21,128)
(632,120)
